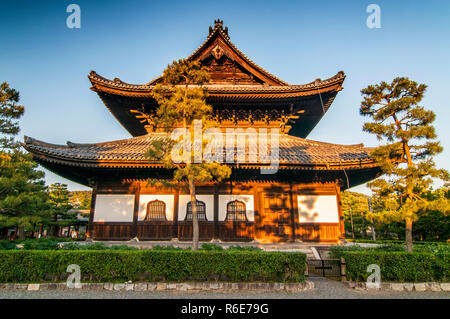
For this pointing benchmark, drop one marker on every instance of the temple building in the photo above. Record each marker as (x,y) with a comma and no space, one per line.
(300,202)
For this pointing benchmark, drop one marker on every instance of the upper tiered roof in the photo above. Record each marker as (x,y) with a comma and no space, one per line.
(237,83)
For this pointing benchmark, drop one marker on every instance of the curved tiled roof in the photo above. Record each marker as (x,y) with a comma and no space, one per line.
(218,30)
(293,151)
(335,83)
(281,88)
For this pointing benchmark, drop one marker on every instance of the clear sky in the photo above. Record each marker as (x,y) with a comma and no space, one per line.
(298,41)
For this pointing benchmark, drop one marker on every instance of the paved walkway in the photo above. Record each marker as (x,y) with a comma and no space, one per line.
(325,289)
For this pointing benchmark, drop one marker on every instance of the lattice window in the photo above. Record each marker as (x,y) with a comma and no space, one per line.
(236,211)
(156,211)
(201,211)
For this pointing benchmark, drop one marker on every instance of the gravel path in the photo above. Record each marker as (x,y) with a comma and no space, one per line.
(325,288)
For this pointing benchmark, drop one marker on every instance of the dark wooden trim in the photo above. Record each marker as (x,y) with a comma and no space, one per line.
(340,213)
(176,212)
(257,211)
(136,211)
(216,212)
(90,231)
(293,208)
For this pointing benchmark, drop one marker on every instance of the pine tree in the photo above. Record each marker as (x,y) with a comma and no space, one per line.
(60,207)
(407,155)
(10,112)
(355,209)
(23,200)
(80,199)
(182,100)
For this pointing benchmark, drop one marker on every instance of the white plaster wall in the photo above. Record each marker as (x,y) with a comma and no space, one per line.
(317,209)
(169,200)
(114,208)
(183,200)
(247,199)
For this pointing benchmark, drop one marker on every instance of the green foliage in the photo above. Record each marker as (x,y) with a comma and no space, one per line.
(40,245)
(22,190)
(244,248)
(211,247)
(60,207)
(355,209)
(398,266)
(386,246)
(80,199)
(407,157)
(96,246)
(181,101)
(7,245)
(181,97)
(169,247)
(23,200)
(10,112)
(153,265)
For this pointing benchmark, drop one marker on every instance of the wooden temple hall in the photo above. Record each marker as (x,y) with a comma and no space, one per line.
(300,202)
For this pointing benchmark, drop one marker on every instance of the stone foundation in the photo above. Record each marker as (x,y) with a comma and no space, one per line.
(399,286)
(162,286)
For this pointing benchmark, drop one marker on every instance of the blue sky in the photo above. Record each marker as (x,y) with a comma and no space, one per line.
(298,41)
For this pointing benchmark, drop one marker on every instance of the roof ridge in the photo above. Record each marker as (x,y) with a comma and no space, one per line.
(32,141)
(317,84)
(352,146)
(218,28)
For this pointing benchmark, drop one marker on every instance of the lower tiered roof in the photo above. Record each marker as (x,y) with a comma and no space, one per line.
(82,162)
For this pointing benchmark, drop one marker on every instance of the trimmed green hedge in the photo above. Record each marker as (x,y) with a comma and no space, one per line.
(152,265)
(398,266)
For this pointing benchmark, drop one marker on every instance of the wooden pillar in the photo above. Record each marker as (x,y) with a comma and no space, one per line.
(339,203)
(90,229)
(137,193)
(257,212)
(216,211)
(292,211)
(175,213)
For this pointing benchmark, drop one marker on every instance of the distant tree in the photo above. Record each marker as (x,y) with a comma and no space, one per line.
(407,157)
(61,208)
(182,100)
(10,112)
(433,225)
(355,208)
(80,199)
(23,200)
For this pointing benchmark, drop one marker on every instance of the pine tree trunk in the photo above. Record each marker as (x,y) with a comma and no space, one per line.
(195,230)
(21,232)
(55,229)
(408,234)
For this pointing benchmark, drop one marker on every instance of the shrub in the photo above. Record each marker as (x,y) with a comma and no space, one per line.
(96,246)
(152,265)
(244,248)
(40,244)
(437,248)
(398,265)
(211,247)
(7,245)
(169,247)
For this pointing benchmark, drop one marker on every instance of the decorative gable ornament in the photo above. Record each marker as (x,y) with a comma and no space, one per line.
(217,52)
